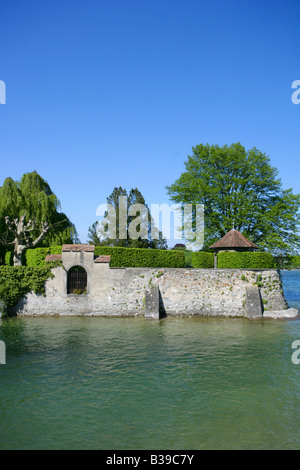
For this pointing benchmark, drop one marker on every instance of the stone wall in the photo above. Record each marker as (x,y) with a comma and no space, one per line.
(122,292)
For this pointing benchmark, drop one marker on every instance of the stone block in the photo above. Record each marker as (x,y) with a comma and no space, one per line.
(253,305)
(152,303)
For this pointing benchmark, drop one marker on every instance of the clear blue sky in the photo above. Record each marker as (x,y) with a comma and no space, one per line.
(107,93)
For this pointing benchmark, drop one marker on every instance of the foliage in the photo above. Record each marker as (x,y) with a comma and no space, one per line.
(240,188)
(79,292)
(288,262)
(17,281)
(188,258)
(33,196)
(245,260)
(8,259)
(142,257)
(201,259)
(134,197)
(36,256)
(295,262)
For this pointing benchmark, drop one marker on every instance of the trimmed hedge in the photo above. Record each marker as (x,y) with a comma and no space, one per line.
(36,256)
(245,260)
(9,258)
(201,259)
(142,257)
(151,258)
(120,256)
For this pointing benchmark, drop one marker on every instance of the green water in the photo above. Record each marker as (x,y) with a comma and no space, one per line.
(129,383)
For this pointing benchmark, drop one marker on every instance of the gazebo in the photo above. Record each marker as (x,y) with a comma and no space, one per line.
(233,241)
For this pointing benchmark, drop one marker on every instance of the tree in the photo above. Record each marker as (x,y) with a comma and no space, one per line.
(240,188)
(134,220)
(29,215)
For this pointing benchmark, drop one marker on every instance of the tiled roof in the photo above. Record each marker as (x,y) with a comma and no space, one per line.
(53,257)
(102,259)
(233,239)
(76,248)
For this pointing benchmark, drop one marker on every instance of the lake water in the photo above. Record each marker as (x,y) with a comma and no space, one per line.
(130,383)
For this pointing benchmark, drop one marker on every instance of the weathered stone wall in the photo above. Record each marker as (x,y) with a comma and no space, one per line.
(121,292)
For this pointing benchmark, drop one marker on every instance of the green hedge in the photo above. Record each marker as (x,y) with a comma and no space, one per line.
(120,257)
(36,256)
(17,281)
(201,259)
(142,257)
(151,258)
(33,257)
(9,258)
(245,260)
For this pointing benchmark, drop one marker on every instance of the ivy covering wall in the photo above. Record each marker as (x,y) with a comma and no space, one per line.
(17,281)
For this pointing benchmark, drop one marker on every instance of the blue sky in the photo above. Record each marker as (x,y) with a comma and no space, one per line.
(116,93)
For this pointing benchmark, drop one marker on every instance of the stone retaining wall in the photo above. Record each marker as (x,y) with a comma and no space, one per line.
(188,292)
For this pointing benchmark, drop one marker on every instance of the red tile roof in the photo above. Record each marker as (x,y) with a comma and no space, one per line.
(102,259)
(233,239)
(53,257)
(89,248)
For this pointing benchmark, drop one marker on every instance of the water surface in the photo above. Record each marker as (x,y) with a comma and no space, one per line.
(130,383)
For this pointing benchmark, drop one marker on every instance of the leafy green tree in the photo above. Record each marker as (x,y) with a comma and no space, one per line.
(240,188)
(29,215)
(122,237)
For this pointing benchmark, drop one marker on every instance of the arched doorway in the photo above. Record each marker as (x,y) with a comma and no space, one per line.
(77,280)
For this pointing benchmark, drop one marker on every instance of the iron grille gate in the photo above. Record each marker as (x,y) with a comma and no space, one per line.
(77,280)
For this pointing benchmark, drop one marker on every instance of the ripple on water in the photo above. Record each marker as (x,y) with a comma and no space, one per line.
(115,383)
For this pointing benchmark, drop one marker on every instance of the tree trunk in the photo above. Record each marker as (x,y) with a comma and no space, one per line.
(21,231)
(18,254)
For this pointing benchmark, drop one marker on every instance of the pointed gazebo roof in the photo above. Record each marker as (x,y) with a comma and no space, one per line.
(234,239)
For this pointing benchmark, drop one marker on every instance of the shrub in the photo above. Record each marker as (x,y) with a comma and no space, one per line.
(9,258)
(36,256)
(245,260)
(17,281)
(142,257)
(201,259)
(188,258)
(120,256)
